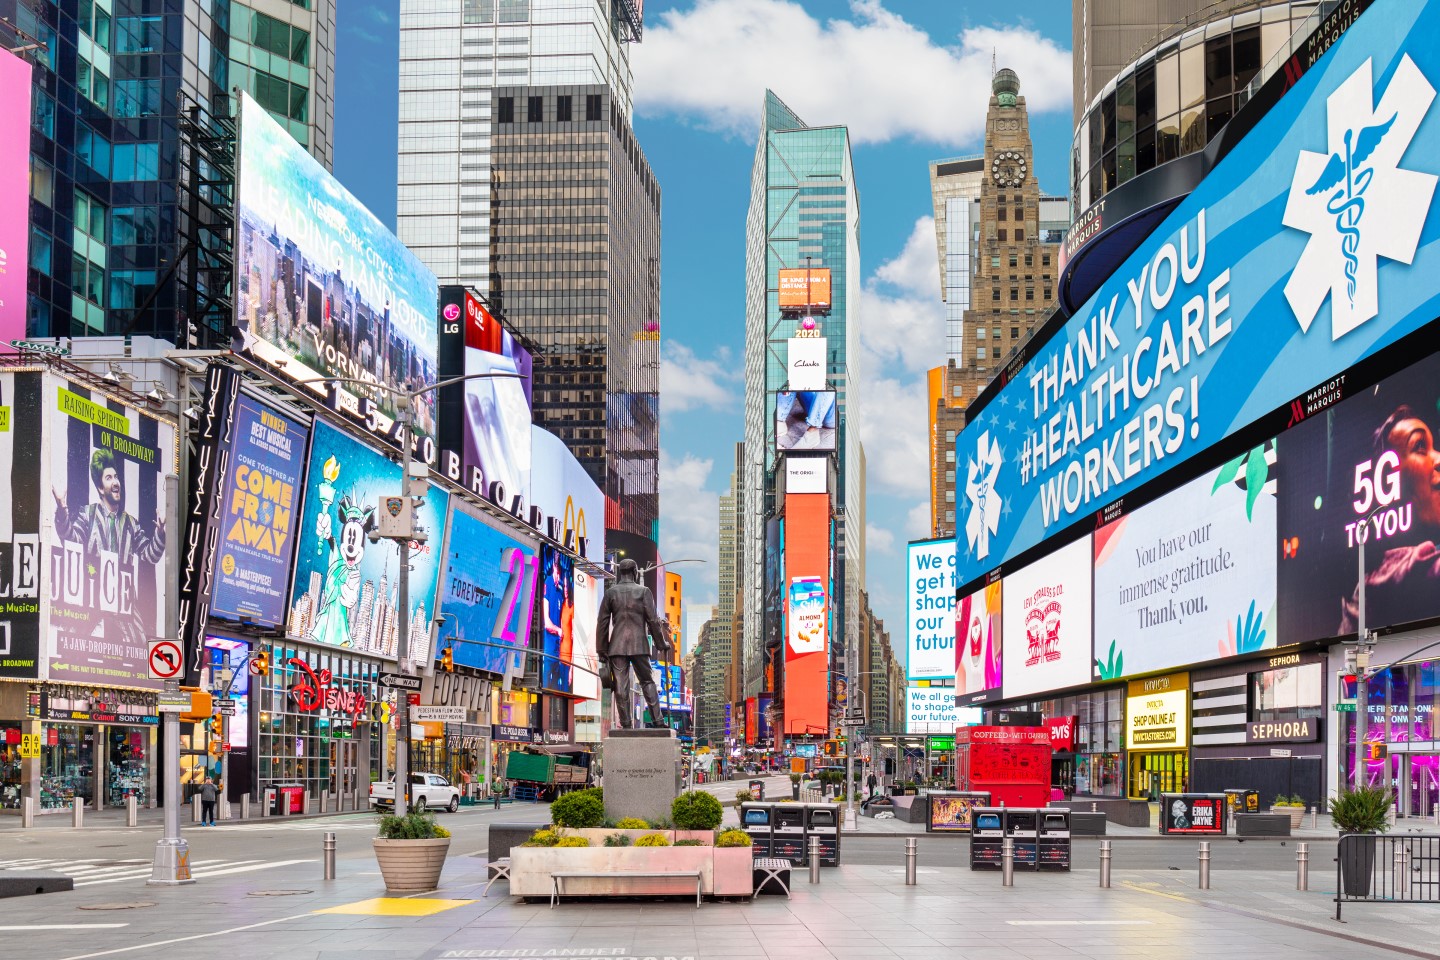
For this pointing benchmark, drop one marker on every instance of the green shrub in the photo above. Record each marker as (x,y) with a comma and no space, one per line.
(579,809)
(1361,811)
(794,778)
(572,842)
(732,838)
(743,796)
(544,837)
(689,843)
(696,810)
(412,826)
(632,823)
(617,840)
(653,840)
(1296,800)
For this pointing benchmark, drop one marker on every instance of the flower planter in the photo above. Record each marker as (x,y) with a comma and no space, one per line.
(411,866)
(706,837)
(597,835)
(1296,814)
(734,875)
(530,869)
(1357,864)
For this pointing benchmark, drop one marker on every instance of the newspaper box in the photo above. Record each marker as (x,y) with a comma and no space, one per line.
(987,837)
(822,821)
(287,798)
(757,789)
(757,820)
(787,839)
(1022,826)
(1053,842)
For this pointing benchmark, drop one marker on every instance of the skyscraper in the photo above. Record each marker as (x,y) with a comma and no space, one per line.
(282,52)
(721,643)
(955,193)
(804,212)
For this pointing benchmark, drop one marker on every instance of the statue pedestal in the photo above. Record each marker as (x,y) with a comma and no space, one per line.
(642,773)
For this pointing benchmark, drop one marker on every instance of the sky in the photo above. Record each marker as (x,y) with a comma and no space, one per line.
(910,78)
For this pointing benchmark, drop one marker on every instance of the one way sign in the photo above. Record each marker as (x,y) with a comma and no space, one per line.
(400,681)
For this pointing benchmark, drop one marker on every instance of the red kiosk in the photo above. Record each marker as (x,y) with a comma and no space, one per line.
(1012,764)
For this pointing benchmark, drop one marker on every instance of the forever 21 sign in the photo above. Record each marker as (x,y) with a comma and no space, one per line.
(1283,731)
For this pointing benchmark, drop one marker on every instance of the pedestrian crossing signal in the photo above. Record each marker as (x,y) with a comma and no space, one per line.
(447,660)
(260,665)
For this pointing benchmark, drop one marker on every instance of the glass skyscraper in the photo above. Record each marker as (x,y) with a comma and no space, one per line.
(803,203)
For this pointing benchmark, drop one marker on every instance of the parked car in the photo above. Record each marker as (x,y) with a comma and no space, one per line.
(427,791)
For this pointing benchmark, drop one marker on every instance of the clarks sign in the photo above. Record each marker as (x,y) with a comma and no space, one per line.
(1283,731)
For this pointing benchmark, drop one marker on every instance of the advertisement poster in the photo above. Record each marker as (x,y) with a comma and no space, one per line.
(585,678)
(344,593)
(670,684)
(806,362)
(487,592)
(804,290)
(978,648)
(260,507)
(107,506)
(1369,464)
(765,705)
(15,87)
(1192,813)
(21,430)
(557,619)
(1157,713)
(564,492)
(930,609)
(323,288)
(933,710)
(1252,291)
(807,615)
(951,812)
(1191,576)
(805,421)
(497,422)
(1047,623)
(805,592)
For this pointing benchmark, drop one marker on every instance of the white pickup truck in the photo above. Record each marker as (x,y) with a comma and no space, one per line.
(427,791)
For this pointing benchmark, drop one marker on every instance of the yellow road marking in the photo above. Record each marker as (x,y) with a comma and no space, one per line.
(396,907)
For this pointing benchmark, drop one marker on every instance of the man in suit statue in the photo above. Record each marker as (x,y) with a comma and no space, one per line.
(627,623)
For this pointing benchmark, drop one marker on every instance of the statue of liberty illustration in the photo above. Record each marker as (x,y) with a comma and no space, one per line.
(340,590)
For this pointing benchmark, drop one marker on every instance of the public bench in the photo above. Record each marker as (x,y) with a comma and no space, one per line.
(1262,824)
(695,875)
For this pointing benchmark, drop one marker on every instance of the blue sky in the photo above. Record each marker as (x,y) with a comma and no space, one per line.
(910,79)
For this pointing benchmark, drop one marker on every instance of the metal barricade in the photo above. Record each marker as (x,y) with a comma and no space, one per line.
(1371,868)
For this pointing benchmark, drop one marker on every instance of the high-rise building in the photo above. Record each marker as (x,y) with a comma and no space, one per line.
(674,595)
(731,551)
(954,192)
(282,52)
(520,176)
(803,216)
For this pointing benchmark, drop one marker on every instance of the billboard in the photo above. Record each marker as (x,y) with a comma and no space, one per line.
(805,290)
(806,594)
(807,474)
(1157,713)
(557,619)
(323,289)
(22,429)
(564,492)
(1191,576)
(930,609)
(1047,620)
(15,75)
(978,647)
(585,681)
(808,615)
(107,504)
(1368,464)
(806,363)
(487,592)
(933,710)
(344,591)
(670,683)
(805,421)
(1246,296)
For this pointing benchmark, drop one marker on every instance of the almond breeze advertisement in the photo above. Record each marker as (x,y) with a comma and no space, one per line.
(1365,468)
(15,75)
(1309,247)
(1047,623)
(978,648)
(807,615)
(1191,576)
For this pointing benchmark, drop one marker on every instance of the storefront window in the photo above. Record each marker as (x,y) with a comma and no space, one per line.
(1098,765)
(1403,704)
(1288,693)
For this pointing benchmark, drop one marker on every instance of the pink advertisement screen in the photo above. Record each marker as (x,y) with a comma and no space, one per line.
(14,192)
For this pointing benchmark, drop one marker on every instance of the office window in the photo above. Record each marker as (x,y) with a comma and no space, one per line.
(1001,235)
(1045,259)
(479,11)
(534,109)
(137,161)
(1001,215)
(137,98)
(980,353)
(42,181)
(132,225)
(1013,261)
(87,280)
(506,111)
(41,250)
(980,333)
(1019,234)
(130,288)
(1029,293)
(562,109)
(592,107)
(995,263)
(1029,259)
(995,293)
(514,11)
(89,216)
(92,149)
(1014,333)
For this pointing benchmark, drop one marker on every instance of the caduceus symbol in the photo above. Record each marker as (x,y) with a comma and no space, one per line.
(1347,204)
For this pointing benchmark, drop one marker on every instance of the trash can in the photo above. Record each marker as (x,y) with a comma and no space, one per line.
(987,837)
(788,833)
(822,821)
(1022,826)
(757,819)
(288,798)
(757,789)
(1052,844)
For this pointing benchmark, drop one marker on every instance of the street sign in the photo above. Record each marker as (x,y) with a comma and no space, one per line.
(435,713)
(1345,707)
(29,745)
(226,707)
(853,722)
(255,667)
(34,347)
(173,703)
(166,660)
(400,682)
(225,746)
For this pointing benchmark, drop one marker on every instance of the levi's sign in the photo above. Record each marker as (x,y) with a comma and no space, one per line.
(1299,255)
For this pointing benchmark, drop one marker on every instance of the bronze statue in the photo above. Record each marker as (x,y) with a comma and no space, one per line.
(628,622)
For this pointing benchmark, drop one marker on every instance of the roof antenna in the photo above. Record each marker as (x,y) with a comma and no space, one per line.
(992,62)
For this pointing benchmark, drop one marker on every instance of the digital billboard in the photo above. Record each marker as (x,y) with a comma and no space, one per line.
(807,474)
(1047,617)
(15,75)
(930,609)
(933,710)
(670,685)
(1368,463)
(26,499)
(978,645)
(564,492)
(806,363)
(806,592)
(1191,576)
(556,614)
(1250,292)
(585,679)
(805,290)
(344,591)
(322,288)
(805,421)
(107,504)
(487,592)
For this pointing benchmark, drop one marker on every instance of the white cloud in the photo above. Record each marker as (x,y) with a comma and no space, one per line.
(917,521)
(690,523)
(882,77)
(879,539)
(893,426)
(901,314)
(690,382)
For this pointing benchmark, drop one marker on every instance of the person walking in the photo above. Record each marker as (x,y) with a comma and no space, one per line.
(870,782)
(209,796)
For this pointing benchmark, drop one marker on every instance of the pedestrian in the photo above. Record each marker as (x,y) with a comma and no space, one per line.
(209,795)
(870,782)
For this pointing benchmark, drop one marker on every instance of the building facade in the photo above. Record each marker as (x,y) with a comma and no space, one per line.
(955,186)
(283,54)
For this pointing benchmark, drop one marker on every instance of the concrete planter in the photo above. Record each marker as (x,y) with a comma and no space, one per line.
(1296,815)
(733,872)
(706,837)
(597,835)
(411,866)
(530,869)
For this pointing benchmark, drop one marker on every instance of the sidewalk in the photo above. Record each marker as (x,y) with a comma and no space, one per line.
(152,818)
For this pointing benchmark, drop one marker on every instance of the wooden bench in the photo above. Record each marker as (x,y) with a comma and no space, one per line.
(695,875)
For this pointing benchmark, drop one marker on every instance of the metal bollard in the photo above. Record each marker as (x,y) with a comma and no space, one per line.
(132,811)
(27,813)
(1094,807)
(912,849)
(305,802)
(1204,858)
(1007,862)
(1105,864)
(814,859)
(1302,866)
(1402,872)
(195,808)
(329,848)
(77,813)
(244,806)
(1314,818)
(324,802)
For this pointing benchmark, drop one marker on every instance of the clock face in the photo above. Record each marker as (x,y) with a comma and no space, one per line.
(1007,168)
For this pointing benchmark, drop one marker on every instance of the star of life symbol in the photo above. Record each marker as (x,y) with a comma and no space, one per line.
(1355,202)
(981,473)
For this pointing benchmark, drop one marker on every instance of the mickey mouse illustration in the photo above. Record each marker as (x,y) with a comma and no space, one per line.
(341,588)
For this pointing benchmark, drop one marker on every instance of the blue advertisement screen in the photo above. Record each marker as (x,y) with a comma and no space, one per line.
(487,593)
(1308,248)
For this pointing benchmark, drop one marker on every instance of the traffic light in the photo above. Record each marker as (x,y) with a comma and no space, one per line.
(1378,751)
(201,705)
(447,660)
(260,664)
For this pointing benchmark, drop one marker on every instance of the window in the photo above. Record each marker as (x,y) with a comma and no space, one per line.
(957,391)
(89,216)
(1047,293)
(41,248)
(1014,333)
(279,38)
(87,280)
(534,109)
(506,113)
(1000,215)
(995,293)
(1029,293)
(479,11)
(1029,259)
(137,161)
(514,11)
(93,149)
(1014,293)
(95,21)
(592,107)
(949,436)
(137,98)
(980,353)
(132,225)
(130,288)
(1013,261)
(1001,234)
(980,333)
(1019,234)
(995,263)
(562,109)
(42,113)
(42,181)
(1287,692)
